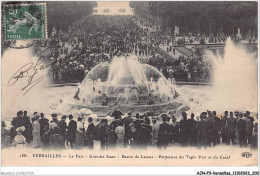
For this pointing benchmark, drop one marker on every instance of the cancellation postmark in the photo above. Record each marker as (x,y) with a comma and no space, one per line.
(25,21)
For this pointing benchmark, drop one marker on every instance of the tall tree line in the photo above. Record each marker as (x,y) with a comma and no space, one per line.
(201,16)
(64,14)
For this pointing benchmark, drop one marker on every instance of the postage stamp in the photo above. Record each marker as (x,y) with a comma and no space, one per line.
(25,21)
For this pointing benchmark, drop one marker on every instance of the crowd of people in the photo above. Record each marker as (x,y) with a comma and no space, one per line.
(95,39)
(139,132)
(181,38)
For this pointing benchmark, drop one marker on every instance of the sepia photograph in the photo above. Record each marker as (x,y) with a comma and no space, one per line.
(129,83)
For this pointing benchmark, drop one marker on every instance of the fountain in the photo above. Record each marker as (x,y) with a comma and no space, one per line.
(127,85)
(235,79)
(234,83)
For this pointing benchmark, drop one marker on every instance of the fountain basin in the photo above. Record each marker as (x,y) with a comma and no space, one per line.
(157,108)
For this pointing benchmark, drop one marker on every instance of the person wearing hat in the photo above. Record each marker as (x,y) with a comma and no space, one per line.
(28,127)
(36,133)
(111,138)
(224,127)
(127,121)
(102,133)
(80,137)
(231,129)
(163,134)
(210,123)
(62,126)
(43,122)
(18,121)
(254,141)
(241,129)
(138,121)
(184,130)
(250,126)
(202,132)
(34,116)
(192,131)
(14,121)
(155,130)
(53,122)
(248,129)
(19,140)
(144,135)
(216,129)
(71,134)
(46,138)
(175,130)
(120,132)
(90,133)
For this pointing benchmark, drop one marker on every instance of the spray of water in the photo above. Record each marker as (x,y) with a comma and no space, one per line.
(234,84)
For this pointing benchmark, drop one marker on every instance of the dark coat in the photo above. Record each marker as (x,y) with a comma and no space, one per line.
(111,138)
(217,124)
(72,127)
(43,122)
(102,132)
(184,131)
(46,139)
(18,122)
(90,130)
(62,128)
(144,134)
(163,134)
(96,131)
(192,127)
(241,126)
(57,142)
(202,132)
(127,121)
(231,125)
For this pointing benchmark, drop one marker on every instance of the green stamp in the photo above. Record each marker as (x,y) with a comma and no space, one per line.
(25,21)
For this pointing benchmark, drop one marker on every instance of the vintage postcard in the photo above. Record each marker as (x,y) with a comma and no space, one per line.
(129,83)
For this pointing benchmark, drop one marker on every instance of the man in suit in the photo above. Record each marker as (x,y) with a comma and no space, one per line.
(202,132)
(241,129)
(127,121)
(28,127)
(163,134)
(90,133)
(224,127)
(250,126)
(56,140)
(14,121)
(72,127)
(43,122)
(62,126)
(216,128)
(184,130)
(102,134)
(18,121)
(192,131)
(231,129)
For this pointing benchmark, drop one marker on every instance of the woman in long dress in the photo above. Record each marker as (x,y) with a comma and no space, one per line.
(120,132)
(36,133)
(79,142)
